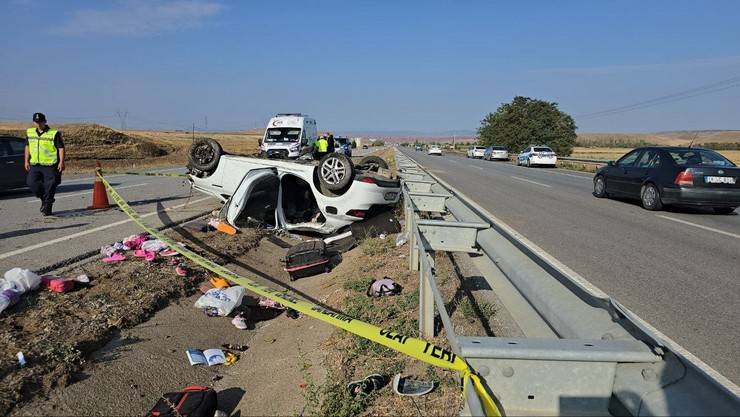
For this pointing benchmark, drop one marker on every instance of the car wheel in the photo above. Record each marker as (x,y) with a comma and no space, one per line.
(335,171)
(204,154)
(724,210)
(600,187)
(373,163)
(650,196)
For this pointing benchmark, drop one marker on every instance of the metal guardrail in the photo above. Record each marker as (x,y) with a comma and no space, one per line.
(589,161)
(583,352)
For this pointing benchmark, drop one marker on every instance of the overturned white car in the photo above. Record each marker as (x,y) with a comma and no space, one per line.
(296,195)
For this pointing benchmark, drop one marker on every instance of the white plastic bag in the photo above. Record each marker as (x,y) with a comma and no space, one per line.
(224,300)
(22,280)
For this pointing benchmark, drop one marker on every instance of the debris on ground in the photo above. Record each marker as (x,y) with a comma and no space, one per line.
(367,385)
(194,400)
(16,282)
(411,387)
(208,357)
(383,287)
(224,300)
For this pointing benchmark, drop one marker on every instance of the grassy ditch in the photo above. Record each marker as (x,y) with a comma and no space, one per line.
(353,358)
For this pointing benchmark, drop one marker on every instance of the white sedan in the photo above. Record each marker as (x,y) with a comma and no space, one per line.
(434,150)
(537,155)
(295,195)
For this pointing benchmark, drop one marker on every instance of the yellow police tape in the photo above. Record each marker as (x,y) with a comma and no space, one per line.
(149,174)
(416,348)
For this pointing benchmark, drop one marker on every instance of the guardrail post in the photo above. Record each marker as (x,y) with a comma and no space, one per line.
(426,304)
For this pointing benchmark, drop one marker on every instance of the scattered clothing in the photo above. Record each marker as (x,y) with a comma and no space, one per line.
(155,245)
(268,303)
(115,258)
(239,322)
(383,287)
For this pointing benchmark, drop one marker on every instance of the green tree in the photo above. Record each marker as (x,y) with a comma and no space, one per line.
(527,121)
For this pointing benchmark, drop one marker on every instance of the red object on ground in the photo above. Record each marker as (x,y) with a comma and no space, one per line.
(100,196)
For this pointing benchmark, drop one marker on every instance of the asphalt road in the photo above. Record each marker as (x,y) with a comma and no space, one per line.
(678,269)
(31,241)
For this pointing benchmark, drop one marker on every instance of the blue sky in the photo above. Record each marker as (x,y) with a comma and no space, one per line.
(367,65)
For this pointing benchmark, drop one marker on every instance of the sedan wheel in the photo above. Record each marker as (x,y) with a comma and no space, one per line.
(650,197)
(600,187)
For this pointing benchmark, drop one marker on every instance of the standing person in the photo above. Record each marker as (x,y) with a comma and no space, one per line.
(321,147)
(330,139)
(44,161)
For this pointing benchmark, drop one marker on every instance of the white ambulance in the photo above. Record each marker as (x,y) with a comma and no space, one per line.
(288,135)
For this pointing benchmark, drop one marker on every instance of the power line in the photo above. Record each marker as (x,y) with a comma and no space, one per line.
(670,98)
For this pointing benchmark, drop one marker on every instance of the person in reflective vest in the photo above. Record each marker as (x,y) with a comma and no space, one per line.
(44,161)
(322,147)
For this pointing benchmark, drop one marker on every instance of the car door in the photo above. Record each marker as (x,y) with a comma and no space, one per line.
(11,162)
(256,197)
(618,177)
(638,173)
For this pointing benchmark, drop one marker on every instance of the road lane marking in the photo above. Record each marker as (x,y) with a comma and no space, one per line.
(572,175)
(35,200)
(533,182)
(89,231)
(711,229)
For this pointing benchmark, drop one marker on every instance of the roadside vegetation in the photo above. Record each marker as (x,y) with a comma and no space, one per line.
(526,121)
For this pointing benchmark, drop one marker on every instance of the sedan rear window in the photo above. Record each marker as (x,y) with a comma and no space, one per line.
(498,148)
(699,157)
(542,149)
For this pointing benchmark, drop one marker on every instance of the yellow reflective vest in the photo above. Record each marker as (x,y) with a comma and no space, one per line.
(42,148)
(322,145)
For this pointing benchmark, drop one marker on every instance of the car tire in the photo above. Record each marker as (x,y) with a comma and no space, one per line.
(373,163)
(650,197)
(724,210)
(600,187)
(204,154)
(335,171)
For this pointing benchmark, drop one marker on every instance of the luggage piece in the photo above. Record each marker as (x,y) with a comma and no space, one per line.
(193,401)
(306,259)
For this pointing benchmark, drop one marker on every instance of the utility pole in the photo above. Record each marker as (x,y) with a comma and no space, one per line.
(193,132)
(122,118)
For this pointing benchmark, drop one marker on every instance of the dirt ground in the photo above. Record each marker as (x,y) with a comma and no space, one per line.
(58,332)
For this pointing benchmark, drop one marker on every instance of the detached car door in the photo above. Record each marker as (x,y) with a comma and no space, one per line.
(255,199)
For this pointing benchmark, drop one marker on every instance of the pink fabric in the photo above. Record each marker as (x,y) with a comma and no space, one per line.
(116,257)
(135,241)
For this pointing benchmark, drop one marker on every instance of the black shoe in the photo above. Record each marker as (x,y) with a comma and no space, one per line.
(43,207)
(46,210)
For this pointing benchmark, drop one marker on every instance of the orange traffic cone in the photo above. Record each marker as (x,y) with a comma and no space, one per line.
(100,196)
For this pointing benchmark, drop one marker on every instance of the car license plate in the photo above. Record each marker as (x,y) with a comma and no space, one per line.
(720,180)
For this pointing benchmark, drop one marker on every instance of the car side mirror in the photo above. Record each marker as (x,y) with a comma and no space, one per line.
(610,163)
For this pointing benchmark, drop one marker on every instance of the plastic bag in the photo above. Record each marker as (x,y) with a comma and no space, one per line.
(22,280)
(224,300)
(401,239)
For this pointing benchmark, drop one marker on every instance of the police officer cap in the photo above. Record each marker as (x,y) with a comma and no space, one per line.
(39,117)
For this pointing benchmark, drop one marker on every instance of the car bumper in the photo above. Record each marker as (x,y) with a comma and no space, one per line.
(543,161)
(702,197)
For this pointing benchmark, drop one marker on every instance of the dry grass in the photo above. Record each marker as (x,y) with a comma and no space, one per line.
(668,138)
(612,154)
(87,143)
